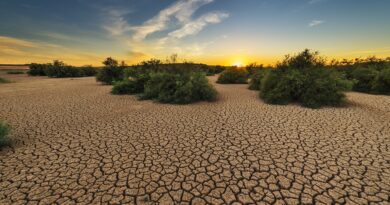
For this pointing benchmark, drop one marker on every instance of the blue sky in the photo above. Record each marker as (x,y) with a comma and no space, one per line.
(209,31)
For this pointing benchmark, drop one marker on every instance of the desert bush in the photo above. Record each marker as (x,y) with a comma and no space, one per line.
(4,130)
(324,87)
(15,72)
(126,87)
(3,80)
(88,71)
(174,88)
(37,69)
(381,84)
(111,72)
(304,79)
(60,70)
(233,76)
(364,79)
(256,78)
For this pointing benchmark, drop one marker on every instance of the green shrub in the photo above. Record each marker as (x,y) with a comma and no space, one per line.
(302,78)
(364,79)
(88,71)
(179,88)
(324,87)
(3,80)
(381,84)
(111,72)
(233,76)
(282,86)
(4,130)
(256,79)
(126,87)
(37,69)
(15,72)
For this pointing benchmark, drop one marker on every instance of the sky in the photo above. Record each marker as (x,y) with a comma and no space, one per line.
(225,32)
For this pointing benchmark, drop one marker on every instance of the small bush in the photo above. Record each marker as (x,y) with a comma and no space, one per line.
(3,80)
(38,69)
(233,76)
(4,130)
(302,78)
(111,72)
(88,71)
(324,87)
(381,83)
(364,79)
(179,88)
(126,87)
(15,72)
(256,79)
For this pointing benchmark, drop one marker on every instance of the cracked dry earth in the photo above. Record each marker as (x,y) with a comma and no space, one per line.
(76,143)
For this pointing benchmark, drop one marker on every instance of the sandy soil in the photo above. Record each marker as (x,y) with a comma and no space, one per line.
(76,143)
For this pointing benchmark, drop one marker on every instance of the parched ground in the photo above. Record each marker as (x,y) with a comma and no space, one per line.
(76,143)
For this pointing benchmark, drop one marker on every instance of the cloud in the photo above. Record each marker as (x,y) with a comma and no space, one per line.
(181,10)
(194,27)
(136,54)
(117,24)
(316,23)
(315,1)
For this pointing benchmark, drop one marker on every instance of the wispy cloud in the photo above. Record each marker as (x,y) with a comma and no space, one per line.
(315,1)
(182,11)
(315,23)
(194,27)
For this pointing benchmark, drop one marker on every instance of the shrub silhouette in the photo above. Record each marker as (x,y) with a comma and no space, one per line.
(37,69)
(15,72)
(303,78)
(381,83)
(4,130)
(3,80)
(233,76)
(111,72)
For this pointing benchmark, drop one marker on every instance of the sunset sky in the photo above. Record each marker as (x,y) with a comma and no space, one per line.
(224,32)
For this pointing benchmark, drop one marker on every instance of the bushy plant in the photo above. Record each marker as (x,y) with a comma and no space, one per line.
(111,72)
(256,78)
(126,87)
(304,79)
(15,72)
(364,79)
(3,80)
(381,83)
(179,88)
(4,130)
(233,76)
(88,71)
(324,87)
(37,69)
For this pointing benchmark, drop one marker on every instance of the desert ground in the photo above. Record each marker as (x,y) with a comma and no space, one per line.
(74,142)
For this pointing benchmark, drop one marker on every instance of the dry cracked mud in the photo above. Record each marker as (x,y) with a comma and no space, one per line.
(76,143)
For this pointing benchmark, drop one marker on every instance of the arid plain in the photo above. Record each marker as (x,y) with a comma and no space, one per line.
(74,142)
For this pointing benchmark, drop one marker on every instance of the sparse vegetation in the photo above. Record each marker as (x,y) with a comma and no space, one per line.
(15,72)
(256,79)
(233,76)
(59,69)
(4,130)
(368,75)
(167,83)
(111,72)
(179,88)
(3,80)
(303,78)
